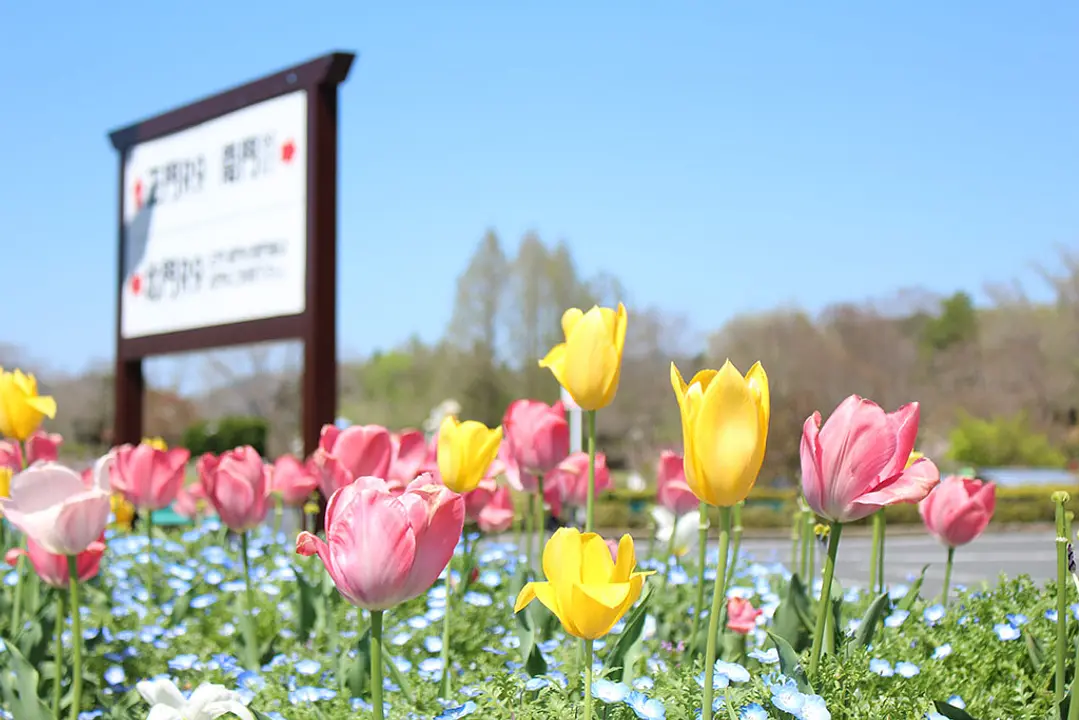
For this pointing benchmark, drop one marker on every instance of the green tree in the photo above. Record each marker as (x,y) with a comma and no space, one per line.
(1002,442)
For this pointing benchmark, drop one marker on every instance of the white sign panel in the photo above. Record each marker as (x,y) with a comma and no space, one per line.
(215,222)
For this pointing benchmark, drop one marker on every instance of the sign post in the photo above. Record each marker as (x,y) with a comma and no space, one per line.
(575,424)
(228,232)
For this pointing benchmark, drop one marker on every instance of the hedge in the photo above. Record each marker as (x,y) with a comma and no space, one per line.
(226,434)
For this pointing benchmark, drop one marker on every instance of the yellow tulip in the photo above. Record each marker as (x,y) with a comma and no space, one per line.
(589,363)
(156,443)
(724,430)
(587,590)
(21,408)
(5,482)
(465,452)
(915,456)
(122,510)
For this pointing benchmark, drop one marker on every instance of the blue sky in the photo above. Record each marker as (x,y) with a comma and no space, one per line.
(718,157)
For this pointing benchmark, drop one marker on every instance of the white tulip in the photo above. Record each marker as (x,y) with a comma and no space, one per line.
(207,702)
(685,529)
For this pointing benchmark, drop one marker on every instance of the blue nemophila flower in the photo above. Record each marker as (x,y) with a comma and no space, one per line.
(765,657)
(1006,632)
(537,683)
(361,704)
(1017,619)
(643,683)
(734,672)
(814,709)
(115,675)
(494,651)
(418,623)
(896,619)
(400,639)
(934,614)
(718,681)
(477,599)
(469,691)
(432,644)
(956,701)
(942,652)
(201,602)
(308,694)
(645,707)
(881,667)
(430,668)
(610,692)
(788,698)
(1051,615)
(184,662)
(907,669)
(512,642)
(753,711)
(457,712)
(717,705)
(307,667)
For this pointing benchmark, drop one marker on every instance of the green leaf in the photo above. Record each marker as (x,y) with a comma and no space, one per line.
(951,711)
(18,686)
(358,670)
(306,609)
(792,617)
(790,663)
(872,618)
(631,633)
(260,716)
(912,595)
(833,635)
(531,656)
(397,677)
(1034,651)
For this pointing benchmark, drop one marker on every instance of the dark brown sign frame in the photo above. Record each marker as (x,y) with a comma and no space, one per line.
(316,326)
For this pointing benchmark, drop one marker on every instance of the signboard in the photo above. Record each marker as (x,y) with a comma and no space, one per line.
(228,232)
(216,221)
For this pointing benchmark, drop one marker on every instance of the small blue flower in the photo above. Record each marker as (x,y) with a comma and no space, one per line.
(765,657)
(537,683)
(956,701)
(753,711)
(734,672)
(307,667)
(881,667)
(432,644)
(646,708)
(457,712)
(643,683)
(934,614)
(789,699)
(1017,619)
(942,652)
(907,669)
(1006,632)
(610,692)
(115,675)
(815,709)
(896,619)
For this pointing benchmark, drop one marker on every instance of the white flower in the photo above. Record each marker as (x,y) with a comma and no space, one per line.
(685,529)
(209,701)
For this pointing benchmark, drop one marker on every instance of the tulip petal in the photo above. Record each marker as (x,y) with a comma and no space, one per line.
(910,486)
(726,434)
(596,562)
(41,486)
(595,607)
(527,595)
(812,472)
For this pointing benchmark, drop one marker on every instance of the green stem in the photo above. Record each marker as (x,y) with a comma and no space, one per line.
(825,601)
(667,564)
(376,663)
(702,558)
(250,634)
(874,552)
(150,552)
(883,521)
(444,686)
(587,680)
(718,594)
(947,576)
(530,521)
(727,702)
(76,638)
(796,536)
(1062,596)
(589,509)
(16,610)
(58,655)
(811,543)
(540,515)
(279,512)
(652,545)
(807,541)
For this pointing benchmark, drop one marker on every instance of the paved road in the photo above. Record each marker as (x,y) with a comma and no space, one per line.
(1031,552)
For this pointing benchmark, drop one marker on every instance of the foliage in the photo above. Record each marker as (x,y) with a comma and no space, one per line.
(1002,442)
(230,432)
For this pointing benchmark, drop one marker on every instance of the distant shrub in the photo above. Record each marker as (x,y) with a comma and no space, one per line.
(228,433)
(1002,442)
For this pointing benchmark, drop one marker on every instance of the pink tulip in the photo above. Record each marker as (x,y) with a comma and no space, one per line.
(147,477)
(53,569)
(854,465)
(959,509)
(43,447)
(292,480)
(672,490)
(537,434)
(344,455)
(381,549)
(741,615)
(10,456)
(477,499)
(191,500)
(237,485)
(497,515)
(612,545)
(409,455)
(518,479)
(54,507)
(571,477)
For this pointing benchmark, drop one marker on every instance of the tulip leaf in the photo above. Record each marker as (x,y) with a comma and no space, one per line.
(631,633)
(399,678)
(790,663)
(833,636)
(873,616)
(912,595)
(533,661)
(18,686)
(791,620)
(306,611)
(1034,651)
(951,711)
(357,670)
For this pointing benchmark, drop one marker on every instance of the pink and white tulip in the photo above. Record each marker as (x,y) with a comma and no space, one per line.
(53,568)
(672,490)
(237,486)
(856,463)
(292,480)
(384,549)
(40,447)
(537,435)
(959,509)
(53,507)
(344,455)
(147,477)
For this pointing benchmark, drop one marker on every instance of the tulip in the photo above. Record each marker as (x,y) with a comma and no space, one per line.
(207,702)
(147,476)
(497,515)
(237,486)
(956,512)
(476,500)
(612,545)
(742,616)
(123,512)
(5,482)
(382,550)
(292,481)
(571,477)
(191,500)
(465,452)
(52,568)
(679,532)
(156,442)
(11,456)
(409,455)
(589,363)
(672,490)
(587,589)
(344,455)
(855,465)
(21,408)
(537,435)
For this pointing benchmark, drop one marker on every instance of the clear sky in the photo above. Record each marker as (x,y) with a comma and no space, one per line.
(718,157)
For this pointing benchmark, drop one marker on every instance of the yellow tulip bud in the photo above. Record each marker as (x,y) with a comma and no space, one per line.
(724,431)
(586,589)
(5,482)
(465,452)
(589,363)
(915,456)
(122,510)
(21,408)
(157,443)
